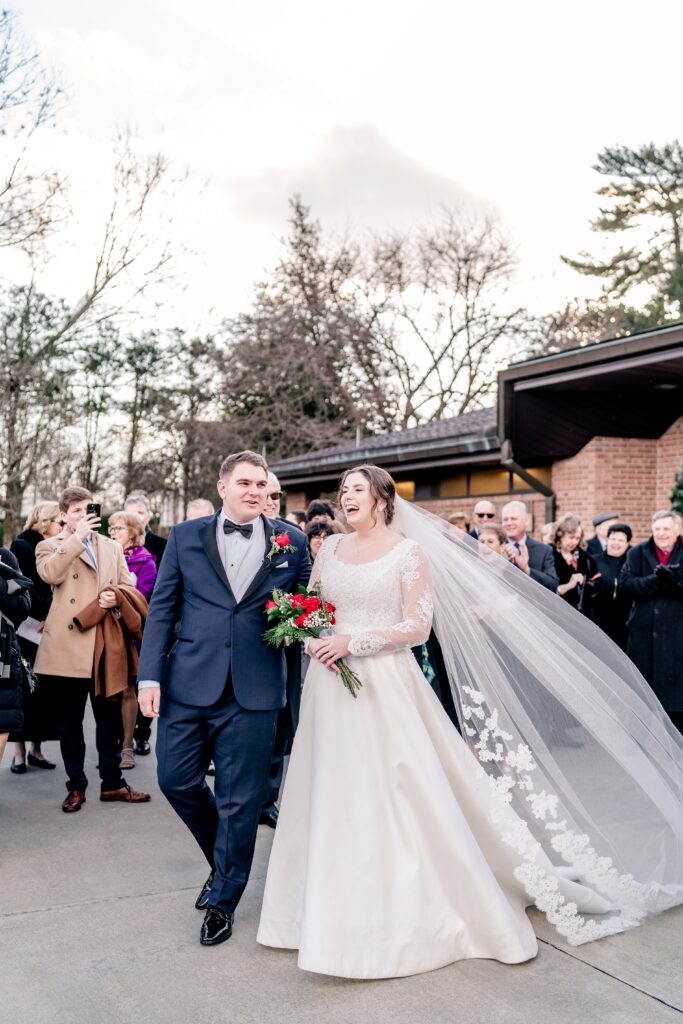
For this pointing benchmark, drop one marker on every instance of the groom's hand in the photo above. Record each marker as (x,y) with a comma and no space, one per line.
(148,699)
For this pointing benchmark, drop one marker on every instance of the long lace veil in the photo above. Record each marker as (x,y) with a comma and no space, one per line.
(568,732)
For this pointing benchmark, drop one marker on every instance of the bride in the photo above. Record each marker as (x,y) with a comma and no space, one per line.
(397,851)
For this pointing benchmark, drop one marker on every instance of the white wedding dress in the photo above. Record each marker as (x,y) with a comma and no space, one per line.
(386,860)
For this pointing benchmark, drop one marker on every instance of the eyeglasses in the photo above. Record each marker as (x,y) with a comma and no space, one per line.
(116,529)
(485,515)
(275,495)
(59,522)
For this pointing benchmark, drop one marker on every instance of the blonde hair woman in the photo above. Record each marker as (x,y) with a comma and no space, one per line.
(44,520)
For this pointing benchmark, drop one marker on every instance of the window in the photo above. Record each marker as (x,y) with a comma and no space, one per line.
(406,489)
(542,473)
(453,486)
(490,481)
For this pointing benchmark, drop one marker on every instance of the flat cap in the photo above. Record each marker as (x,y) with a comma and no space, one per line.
(604,516)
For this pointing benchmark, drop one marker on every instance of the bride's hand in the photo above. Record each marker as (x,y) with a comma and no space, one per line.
(329,649)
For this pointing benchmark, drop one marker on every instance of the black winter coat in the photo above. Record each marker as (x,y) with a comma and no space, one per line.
(655,625)
(15,607)
(610,607)
(24,548)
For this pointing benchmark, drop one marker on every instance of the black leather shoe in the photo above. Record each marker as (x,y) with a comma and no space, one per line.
(141,747)
(40,762)
(268,816)
(18,769)
(202,901)
(216,927)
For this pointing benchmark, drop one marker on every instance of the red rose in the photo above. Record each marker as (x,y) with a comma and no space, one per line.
(329,607)
(300,620)
(332,620)
(271,604)
(297,600)
(282,540)
(311,604)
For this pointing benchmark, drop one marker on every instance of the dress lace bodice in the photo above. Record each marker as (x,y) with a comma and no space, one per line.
(385,604)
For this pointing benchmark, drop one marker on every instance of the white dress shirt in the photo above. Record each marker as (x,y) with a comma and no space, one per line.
(241,556)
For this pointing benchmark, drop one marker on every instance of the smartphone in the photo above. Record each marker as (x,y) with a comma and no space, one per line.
(93,508)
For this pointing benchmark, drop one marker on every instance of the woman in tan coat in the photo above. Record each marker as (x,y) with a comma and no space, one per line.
(81,565)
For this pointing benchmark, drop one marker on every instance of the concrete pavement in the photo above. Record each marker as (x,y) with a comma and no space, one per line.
(97,926)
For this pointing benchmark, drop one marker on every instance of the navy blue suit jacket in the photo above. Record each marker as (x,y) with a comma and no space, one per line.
(217,635)
(542,564)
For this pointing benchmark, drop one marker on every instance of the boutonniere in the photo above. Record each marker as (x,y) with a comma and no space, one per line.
(279,543)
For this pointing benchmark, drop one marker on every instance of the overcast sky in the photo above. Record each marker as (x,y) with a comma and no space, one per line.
(378,113)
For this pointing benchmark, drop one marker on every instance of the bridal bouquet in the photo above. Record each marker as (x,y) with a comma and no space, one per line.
(301,616)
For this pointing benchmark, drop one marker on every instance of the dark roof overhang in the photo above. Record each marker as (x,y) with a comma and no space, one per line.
(550,407)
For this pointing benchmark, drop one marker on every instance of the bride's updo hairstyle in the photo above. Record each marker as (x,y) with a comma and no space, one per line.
(382,488)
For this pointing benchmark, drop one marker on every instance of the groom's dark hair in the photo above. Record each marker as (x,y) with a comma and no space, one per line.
(252,457)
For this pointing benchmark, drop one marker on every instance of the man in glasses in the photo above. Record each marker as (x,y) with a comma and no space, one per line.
(273,497)
(484,514)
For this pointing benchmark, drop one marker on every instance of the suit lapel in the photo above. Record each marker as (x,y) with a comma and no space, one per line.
(269,528)
(207,535)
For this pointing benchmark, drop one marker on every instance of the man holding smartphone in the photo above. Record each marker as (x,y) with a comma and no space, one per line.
(81,565)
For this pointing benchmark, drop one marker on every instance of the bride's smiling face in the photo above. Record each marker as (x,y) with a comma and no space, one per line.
(357,502)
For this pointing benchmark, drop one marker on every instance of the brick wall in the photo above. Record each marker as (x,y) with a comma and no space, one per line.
(669,461)
(297,500)
(631,476)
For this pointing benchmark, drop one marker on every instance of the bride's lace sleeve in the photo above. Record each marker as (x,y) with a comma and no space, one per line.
(417,605)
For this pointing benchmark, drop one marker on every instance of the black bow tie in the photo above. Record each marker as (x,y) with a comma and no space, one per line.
(246,529)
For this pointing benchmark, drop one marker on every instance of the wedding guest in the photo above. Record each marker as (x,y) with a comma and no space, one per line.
(138,502)
(322,511)
(288,716)
(15,605)
(316,533)
(458,520)
(273,497)
(494,537)
(529,555)
(547,532)
(128,530)
(573,565)
(601,524)
(198,508)
(81,566)
(40,721)
(298,518)
(610,605)
(484,513)
(653,577)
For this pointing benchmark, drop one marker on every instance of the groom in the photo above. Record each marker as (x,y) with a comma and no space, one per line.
(214,683)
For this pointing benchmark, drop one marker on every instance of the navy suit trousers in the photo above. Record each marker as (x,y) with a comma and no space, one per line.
(224,822)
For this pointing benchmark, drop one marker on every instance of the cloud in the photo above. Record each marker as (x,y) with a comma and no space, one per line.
(358,180)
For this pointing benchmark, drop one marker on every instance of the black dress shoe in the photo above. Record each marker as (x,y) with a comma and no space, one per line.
(216,926)
(40,762)
(202,900)
(141,747)
(268,816)
(18,769)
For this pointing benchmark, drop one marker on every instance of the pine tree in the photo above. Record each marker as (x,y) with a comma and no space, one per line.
(644,192)
(677,493)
